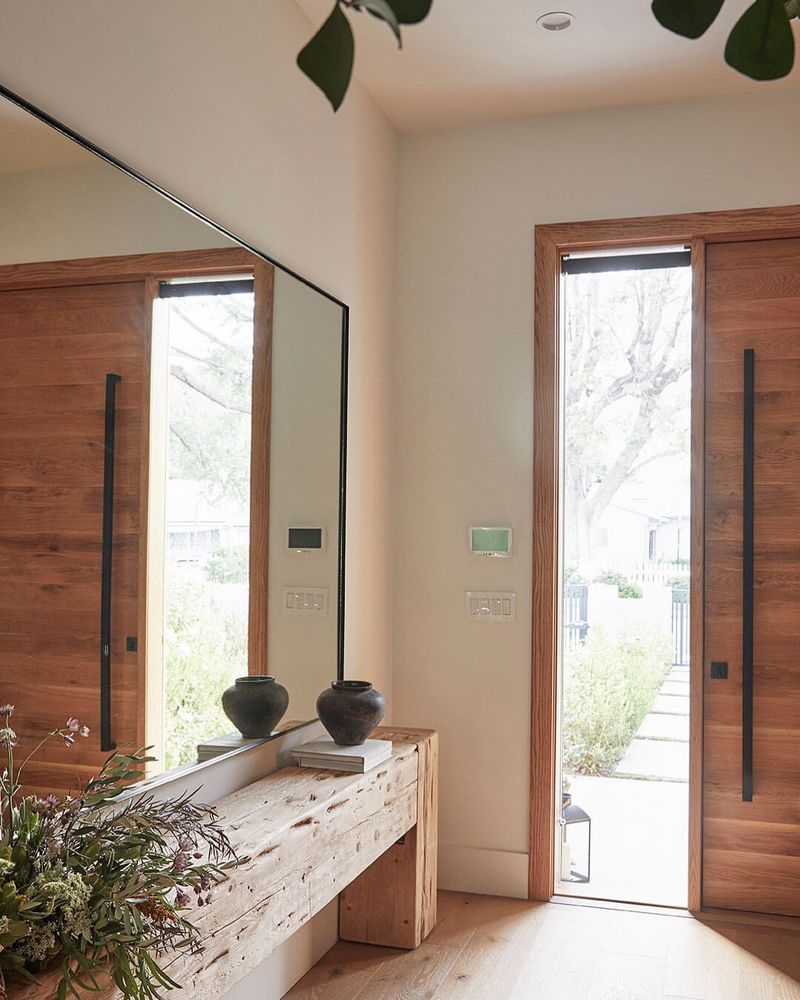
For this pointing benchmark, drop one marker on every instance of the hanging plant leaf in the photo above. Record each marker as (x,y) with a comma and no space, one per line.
(690,18)
(413,11)
(383,10)
(761,44)
(327,60)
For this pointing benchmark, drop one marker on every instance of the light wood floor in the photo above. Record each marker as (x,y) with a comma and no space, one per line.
(485,948)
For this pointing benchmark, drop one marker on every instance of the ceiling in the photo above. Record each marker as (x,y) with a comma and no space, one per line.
(475,60)
(27,144)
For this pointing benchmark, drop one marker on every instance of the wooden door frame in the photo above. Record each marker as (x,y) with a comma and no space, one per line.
(550,243)
(150,268)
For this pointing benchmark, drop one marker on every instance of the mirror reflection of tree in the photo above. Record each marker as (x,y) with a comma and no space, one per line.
(208,491)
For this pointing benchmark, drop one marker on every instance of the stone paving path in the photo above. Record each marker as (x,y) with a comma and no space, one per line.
(660,749)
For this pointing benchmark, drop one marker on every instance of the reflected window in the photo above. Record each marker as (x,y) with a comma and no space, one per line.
(206,511)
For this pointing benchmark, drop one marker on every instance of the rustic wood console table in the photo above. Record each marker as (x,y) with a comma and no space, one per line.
(311,835)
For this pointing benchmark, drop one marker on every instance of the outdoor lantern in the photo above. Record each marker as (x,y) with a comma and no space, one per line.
(572,870)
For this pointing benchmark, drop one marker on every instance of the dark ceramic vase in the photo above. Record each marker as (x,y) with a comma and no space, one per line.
(255,705)
(350,711)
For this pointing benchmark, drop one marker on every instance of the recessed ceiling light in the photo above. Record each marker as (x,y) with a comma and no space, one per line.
(555,20)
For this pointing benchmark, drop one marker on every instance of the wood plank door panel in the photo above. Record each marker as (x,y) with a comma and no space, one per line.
(56,346)
(751,849)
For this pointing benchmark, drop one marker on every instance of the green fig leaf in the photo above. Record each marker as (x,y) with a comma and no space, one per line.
(412,11)
(761,44)
(383,10)
(327,60)
(690,18)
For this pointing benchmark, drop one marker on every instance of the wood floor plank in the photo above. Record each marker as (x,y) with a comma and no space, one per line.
(488,948)
(413,975)
(628,977)
(702,963)
(341,974)
(494,960)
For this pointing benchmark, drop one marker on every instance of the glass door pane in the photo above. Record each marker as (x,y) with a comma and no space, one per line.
(624,667)
(207,504)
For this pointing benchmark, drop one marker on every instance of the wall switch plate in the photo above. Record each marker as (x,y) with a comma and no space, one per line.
(491,605)
(305,600)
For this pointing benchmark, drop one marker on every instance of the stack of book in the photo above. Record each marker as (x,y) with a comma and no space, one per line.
(222,744)
(329,755)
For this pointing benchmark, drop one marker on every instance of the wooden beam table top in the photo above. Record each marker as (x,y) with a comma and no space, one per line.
(310,834)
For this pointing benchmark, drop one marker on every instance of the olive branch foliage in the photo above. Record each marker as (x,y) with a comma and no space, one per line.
(102,887)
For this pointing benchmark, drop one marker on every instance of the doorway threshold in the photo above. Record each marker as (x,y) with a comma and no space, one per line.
(614,904)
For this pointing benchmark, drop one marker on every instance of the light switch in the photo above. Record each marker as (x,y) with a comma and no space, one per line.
(490,606)
(305,600)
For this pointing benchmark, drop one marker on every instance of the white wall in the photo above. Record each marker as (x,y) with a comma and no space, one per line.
(462,416)
(204,97)
(304,486)
(89,210)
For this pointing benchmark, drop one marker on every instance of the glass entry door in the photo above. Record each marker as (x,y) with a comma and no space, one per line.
(622,822)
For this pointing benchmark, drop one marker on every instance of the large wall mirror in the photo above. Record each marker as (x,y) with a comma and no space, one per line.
(172,421)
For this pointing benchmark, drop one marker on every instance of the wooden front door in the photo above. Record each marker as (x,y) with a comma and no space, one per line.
(751,784)
(57,345)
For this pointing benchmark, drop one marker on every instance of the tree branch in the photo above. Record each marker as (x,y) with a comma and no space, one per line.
(182,376)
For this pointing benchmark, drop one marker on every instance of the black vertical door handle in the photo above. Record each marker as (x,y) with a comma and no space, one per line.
(748,523)
(106,742)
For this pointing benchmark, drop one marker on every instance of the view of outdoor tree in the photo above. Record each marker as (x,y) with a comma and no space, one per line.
(211,361)
(206,592)
(626,385)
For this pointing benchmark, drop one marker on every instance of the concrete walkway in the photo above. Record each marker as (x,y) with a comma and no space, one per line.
(640,812)
(639,842)
(660,749)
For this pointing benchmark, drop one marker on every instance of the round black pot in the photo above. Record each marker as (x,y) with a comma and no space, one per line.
(350,711)
(255,705)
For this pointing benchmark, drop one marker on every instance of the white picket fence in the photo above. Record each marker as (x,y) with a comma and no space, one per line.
(645,572)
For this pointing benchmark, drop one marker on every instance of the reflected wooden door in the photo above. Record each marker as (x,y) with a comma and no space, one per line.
(57,345)
(751,786)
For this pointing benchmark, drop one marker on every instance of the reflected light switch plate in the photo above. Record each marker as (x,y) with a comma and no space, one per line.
(305,600)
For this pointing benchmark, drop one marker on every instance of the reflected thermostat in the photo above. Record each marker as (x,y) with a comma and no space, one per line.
(306,540)
(490,542)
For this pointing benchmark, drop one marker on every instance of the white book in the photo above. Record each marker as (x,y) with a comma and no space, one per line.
(222,744)
(351,767)
(327,750)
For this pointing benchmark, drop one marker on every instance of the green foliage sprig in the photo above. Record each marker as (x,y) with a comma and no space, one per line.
(100,886)
(761,44)
(327,60)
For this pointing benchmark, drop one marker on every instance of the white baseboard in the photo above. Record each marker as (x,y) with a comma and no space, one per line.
(477,869)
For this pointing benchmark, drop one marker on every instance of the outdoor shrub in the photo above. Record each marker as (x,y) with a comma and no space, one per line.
(623,585)
(573,575)
(612,577)
(677,582)
(228,565)
(610,683)
(206,651)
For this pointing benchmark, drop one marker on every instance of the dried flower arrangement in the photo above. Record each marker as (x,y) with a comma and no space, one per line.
(102,887)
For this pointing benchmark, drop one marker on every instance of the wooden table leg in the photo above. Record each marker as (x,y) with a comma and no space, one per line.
(393,903)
